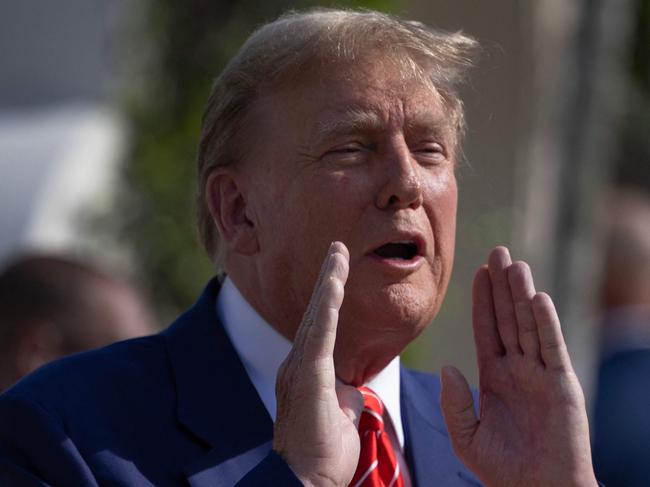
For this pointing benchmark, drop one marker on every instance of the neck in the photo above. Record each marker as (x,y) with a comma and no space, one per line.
(360,352)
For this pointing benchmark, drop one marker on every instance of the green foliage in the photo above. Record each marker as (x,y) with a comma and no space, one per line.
(185,45)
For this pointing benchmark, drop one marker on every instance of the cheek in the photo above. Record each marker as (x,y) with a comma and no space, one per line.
(441,200)
(336,199)
(345,185)
(314,210)
(441,203)
(441,183)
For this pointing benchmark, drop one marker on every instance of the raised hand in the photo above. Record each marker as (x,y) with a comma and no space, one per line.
(532,428)
(316,426)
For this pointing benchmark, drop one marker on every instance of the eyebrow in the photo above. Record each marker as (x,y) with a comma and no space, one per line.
(428,121)
(346,122)
(359,119)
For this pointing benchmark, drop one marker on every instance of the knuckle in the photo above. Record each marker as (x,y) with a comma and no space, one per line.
(552,345)
(541,299)
(521,266)
(518,271)
(337,285)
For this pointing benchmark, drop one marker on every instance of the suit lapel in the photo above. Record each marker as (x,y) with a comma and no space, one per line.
(427,447)
(217,403)
(218,470)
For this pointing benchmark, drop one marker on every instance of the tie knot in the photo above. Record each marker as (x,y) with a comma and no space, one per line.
(372,417)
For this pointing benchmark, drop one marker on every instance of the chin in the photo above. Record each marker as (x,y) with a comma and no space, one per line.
(395,313)
(375,331)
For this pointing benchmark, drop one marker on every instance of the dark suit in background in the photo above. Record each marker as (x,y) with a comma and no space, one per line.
(621,421)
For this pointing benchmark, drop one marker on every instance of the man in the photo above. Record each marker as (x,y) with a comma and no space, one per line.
(621,427)
(52,306)
(340,130)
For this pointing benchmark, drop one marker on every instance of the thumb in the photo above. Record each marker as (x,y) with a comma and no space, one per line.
(458,409)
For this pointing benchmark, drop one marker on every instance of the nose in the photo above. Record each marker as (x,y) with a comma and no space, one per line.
(402,188)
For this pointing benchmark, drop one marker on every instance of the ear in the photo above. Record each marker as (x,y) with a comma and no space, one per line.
(227,203)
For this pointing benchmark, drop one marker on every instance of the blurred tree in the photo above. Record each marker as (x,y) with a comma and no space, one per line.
(632,153)
(183,46)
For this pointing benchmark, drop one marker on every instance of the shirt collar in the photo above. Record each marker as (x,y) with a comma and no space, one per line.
(262,349)
(386,384)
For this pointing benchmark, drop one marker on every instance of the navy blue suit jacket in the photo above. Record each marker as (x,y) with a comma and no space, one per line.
(621,422)
(177,408)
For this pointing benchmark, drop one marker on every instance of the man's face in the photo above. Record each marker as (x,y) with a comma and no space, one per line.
(364,157)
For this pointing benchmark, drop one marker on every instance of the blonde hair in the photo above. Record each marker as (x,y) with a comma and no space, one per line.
(280,51)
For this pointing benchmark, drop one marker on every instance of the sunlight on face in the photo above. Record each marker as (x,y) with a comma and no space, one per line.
(364,158)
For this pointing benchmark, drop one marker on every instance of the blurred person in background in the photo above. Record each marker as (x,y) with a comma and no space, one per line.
(622,408)
(52,306)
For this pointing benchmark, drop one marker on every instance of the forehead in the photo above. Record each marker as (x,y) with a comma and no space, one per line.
(360,95)
(300,114)
(375,85)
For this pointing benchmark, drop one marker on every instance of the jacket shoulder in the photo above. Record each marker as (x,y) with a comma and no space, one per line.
(104,376)
(429,385)
(430,382)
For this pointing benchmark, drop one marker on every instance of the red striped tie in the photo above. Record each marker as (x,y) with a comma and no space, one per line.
(378,465)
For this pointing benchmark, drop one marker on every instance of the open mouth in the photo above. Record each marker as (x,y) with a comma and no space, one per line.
(397,250)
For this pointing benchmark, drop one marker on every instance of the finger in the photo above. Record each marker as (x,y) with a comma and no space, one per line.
(308,317)
(320,336)
(458,410)
(334,247)
(319,281)
(523,290)
(498,263)
(551,342)
(486,336)
(350,402)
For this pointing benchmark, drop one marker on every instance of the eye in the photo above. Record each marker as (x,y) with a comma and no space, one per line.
(346,150)
(431,153)
(349,153)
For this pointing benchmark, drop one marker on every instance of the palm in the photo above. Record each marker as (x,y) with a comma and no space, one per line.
(533,426)
(526,417)
(330,436)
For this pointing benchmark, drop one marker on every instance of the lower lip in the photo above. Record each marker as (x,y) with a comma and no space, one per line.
(398,265)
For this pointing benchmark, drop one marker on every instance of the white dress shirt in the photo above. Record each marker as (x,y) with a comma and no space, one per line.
(262,349)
